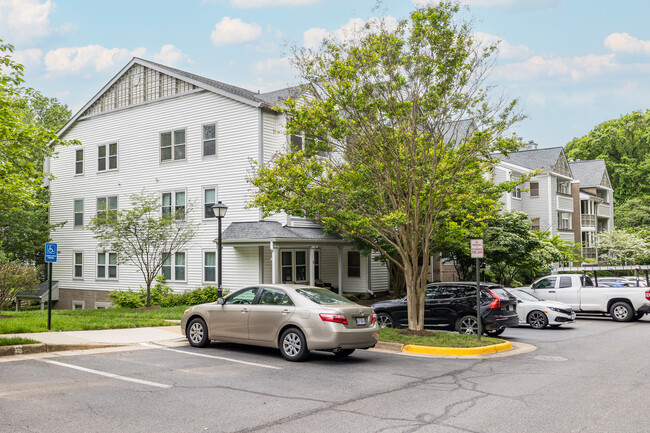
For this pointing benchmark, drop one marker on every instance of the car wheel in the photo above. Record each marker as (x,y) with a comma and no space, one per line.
(293,345)
(384,320)
(537,319)
(467,325)
(621,312)
(343,353)
(495,333)
(197,333)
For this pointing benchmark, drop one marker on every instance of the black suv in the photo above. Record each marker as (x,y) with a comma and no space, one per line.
(453,306)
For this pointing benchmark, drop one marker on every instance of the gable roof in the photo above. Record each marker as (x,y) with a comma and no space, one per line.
(272,230)
(591,173)
(550,159)
(160,81)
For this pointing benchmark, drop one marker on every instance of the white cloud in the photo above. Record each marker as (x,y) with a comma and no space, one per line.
(29,57)
(230,31)
(349,31)
(72,60)
(575,68)
(281,66)
(24,21)
(625,43)
(506,50)
(248,4)
(171,56)
(509,4)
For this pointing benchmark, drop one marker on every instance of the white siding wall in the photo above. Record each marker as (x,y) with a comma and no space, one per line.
(136,131)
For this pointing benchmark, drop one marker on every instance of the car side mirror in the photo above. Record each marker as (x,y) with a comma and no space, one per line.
(221,301)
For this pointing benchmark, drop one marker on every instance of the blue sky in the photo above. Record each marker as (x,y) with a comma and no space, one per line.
(571,63)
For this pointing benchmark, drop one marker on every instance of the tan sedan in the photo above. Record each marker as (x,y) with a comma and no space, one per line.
(291,317)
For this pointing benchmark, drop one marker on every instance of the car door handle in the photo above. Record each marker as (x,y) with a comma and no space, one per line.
(244,310)
(551,291)
(285,312)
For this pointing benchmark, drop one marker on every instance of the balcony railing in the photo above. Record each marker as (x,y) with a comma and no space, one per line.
(588,220)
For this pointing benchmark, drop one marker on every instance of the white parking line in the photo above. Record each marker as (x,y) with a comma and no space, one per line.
(102,373)
(254,364)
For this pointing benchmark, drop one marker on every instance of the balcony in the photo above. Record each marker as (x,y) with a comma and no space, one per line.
(588,220)
(589,252)
(604,210)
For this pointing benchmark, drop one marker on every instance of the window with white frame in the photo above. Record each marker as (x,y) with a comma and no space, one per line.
(534,189)
(536,224)
(563,187)
(173,268)
(79,161)
(77,305)
(209,200)
(516,192)
(210,139)
(172,145)
(102,305)
(209,266)
(564,220)
(107,207)
(174,202)
(293,265)
(107,157)
(354,264)
(78,265)
(107,265)
(78,213)
(317,265)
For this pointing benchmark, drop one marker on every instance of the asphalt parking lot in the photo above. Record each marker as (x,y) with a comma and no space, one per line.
(585,377)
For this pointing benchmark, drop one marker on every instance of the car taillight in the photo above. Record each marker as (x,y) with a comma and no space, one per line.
(496,302)
(373,318)
(331,317)
(647,295)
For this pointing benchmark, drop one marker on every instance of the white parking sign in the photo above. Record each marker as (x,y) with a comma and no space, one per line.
(476,248)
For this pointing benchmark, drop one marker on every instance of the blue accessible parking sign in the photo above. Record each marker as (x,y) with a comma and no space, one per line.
(50,252)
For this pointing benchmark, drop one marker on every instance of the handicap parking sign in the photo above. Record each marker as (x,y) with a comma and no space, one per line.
(50,252)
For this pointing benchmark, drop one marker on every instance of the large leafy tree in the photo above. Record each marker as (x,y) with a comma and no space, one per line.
(622,247)
(142,235)
(386,150)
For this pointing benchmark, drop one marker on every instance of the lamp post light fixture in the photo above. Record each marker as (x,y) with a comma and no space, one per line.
(219,210)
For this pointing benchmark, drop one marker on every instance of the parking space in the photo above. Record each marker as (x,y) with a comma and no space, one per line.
(578,373)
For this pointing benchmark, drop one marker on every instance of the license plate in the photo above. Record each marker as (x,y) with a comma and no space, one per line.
(361,321)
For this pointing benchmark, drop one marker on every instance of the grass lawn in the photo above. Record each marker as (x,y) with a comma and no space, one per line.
(15,341)
(437,339)
(77,320)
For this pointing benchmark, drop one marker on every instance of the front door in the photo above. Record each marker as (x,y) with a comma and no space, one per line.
(545,288)
(230,320)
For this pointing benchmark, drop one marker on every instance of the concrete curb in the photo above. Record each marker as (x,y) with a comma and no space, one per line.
(448,351)
(25,349)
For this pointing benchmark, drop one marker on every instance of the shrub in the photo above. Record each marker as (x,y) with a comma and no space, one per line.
(15,278)
(163,295)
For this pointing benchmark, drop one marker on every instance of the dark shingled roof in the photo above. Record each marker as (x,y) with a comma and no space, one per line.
(268,230)
(589,173)
(41,290)
(533,159)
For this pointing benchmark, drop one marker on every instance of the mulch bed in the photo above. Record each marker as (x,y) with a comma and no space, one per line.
(2,316)
(154,307)
(422,333)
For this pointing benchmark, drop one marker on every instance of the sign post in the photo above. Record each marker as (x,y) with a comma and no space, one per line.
(476,250)
(50,257)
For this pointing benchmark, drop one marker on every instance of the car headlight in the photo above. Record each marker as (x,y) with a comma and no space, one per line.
(557,310)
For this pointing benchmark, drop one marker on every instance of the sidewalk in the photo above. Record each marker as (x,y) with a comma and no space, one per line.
(74,340)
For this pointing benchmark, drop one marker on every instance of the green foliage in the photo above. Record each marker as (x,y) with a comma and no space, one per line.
(15,278)
(163,295)
(633,214)
(389,154)
(143,236)
(14,341)
(623,247)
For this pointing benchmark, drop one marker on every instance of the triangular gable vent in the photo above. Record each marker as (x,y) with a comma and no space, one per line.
(605,181)
(137,85)
(562,166)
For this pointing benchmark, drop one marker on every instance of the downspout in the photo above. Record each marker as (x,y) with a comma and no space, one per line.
(260,146)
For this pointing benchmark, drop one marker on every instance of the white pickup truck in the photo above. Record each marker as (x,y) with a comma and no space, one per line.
(624,304)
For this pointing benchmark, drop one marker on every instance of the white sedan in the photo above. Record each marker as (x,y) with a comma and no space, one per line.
(539,313)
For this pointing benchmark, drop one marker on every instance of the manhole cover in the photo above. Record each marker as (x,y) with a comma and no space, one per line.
(551,358)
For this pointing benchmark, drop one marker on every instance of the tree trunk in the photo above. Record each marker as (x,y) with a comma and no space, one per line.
(415,290)
(148,294)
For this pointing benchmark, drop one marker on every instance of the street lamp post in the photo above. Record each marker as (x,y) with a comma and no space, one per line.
(219,210)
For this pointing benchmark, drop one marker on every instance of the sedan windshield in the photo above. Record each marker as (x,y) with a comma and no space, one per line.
(323,296)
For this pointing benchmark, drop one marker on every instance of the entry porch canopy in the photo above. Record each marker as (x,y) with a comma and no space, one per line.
(274,235)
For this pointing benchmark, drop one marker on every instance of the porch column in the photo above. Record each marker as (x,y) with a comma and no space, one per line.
(312,268)
(340,260)
(274,263)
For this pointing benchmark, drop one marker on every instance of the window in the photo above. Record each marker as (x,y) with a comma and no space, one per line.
(177,205)
(565,282)
(78,265)
(210,266)
(107,265)
(77,305)
(546,283)
(536,224)
(244,296)
(173,268)
(317,265)
(79,213)
(172,145)
(210,139)
(298,142)
(563,187)
(354,264)
(107,207)
(102,305)
(79,161)
(272,296)
(534,189)
(564,220)
(209,200)
(294,265)
(516,193)
(107,157)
